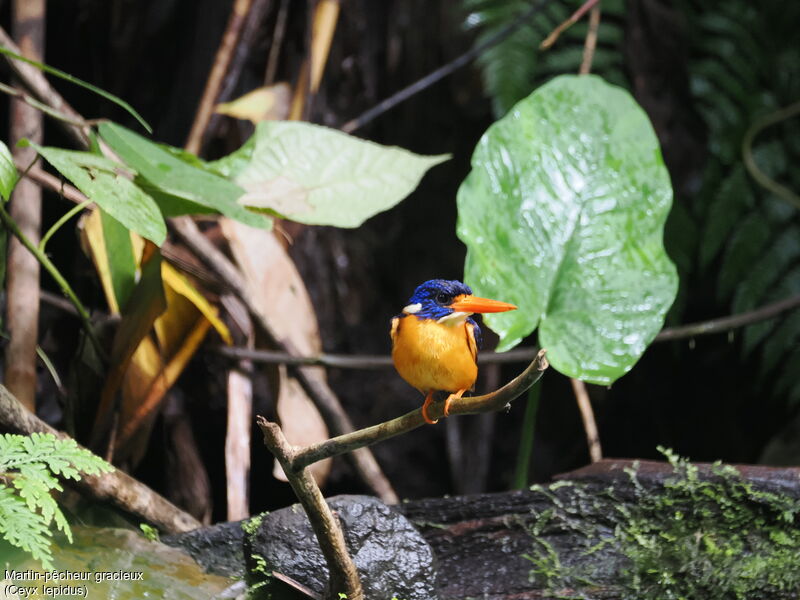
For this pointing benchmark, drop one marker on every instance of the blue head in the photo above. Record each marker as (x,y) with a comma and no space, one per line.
(434,298)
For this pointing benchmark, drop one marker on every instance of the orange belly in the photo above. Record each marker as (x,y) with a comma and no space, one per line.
(434,356)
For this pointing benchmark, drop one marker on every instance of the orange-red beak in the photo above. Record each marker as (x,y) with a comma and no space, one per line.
(474,304)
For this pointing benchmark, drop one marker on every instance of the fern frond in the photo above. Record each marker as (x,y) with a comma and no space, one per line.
(24,528)
(62,456)
(515,67)
(27,508)
(743,65)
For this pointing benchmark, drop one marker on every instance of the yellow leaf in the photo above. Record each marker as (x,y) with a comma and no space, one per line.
(178,283)
(143,368)
(94,244)
(269,103)
(138,407)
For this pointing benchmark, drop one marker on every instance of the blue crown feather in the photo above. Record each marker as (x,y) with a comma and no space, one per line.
(435,296)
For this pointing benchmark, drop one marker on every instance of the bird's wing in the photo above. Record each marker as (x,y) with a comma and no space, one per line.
(395,329)
(473,331)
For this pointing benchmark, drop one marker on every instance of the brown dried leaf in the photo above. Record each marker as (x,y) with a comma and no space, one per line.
(282,297)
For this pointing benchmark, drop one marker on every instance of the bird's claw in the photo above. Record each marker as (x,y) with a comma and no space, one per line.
(426,405)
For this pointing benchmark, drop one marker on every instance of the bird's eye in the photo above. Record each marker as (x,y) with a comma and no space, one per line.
(442,298)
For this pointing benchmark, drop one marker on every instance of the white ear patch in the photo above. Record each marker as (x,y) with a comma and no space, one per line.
(454,318)
(412,308)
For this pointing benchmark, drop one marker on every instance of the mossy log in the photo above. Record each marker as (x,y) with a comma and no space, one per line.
(616,530)
(623,529)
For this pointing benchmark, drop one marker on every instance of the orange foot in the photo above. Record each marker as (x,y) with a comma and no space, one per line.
(450,398)
(426,406)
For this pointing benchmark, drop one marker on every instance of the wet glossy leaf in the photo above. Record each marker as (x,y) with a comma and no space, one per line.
(178,187)
(321,176)
(563,215)
(8,173)
(102,181)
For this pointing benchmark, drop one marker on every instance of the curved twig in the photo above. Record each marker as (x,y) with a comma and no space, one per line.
(493,401)
(755,171)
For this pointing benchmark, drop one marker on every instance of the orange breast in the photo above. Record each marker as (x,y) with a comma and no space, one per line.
(434,356)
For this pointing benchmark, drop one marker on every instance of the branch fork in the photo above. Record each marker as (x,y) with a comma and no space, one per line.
(295,462)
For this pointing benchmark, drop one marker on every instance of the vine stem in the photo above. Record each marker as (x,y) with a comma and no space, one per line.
(755,171)
(58,224)
(43,259)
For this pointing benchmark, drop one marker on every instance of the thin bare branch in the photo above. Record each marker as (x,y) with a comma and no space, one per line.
(591,41)
(725,324)
(587,415)
(574,18)
(343,577)
(216,76)
(443,71)
(472,405)
(518,355)
(277,42)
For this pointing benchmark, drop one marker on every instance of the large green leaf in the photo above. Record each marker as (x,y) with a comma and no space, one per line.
(177,186)
(563,214)
(103,182)
(8,173)
(321,176)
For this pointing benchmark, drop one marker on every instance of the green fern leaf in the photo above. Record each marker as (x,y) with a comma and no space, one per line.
(743,65)
(27,507)
(23,527)
(515,67)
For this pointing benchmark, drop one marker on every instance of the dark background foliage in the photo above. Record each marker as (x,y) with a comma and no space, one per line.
(704,72)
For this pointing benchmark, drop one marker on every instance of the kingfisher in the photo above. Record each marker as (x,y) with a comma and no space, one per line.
(435,341)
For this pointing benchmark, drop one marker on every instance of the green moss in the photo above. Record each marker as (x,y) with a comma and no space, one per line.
(251,525)
(261,573)
(710,538)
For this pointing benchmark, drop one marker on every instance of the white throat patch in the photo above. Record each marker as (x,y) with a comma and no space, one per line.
(454,318)
(412,308)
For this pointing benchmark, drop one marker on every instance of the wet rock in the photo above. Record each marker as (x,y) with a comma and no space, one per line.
(392,558)
(118,564)
(218,548)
